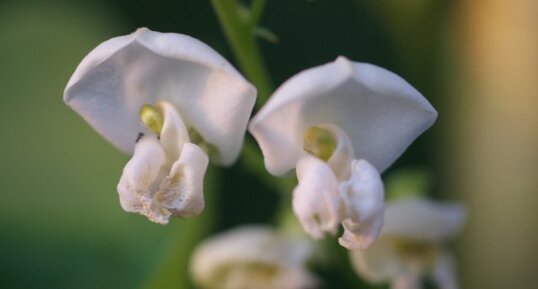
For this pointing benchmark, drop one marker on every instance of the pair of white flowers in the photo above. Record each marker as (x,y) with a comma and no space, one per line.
(169,100)
(174,103)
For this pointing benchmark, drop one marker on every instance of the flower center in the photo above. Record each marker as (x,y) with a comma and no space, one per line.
(152,118)
(319,142)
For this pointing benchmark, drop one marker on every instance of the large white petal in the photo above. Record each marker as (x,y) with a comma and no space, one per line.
(423,220)
(363,198)
(139,174)
(182,191)
(123,73)
(379,263)
(381,113)
(315,199)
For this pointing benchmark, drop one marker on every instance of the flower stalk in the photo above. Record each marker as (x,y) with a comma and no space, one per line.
(239,25)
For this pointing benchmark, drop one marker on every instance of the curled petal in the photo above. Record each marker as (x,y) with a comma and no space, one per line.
(359,236)
(120,75)
(139,174)
(315,199)
(423,220)
(182,192)
(381,113)
(174,133)
(363,198)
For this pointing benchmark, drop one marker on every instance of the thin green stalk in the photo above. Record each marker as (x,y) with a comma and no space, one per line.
(256,11)
(240,34)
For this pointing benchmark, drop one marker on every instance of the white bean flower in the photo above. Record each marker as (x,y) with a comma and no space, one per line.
(411,245)
(252,257)
(169,100)
(339,125)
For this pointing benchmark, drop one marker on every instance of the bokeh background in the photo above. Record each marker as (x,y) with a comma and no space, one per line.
(61,225)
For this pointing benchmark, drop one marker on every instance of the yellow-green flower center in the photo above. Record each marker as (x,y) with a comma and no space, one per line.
(152,118)
(319,142)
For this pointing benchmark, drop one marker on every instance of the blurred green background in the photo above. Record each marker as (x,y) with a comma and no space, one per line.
(61,225)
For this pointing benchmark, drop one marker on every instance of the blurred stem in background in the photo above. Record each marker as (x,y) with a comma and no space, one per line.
(493,143)
(239,24)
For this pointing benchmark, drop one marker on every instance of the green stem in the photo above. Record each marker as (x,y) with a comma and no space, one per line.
(256,11)
(240,34)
